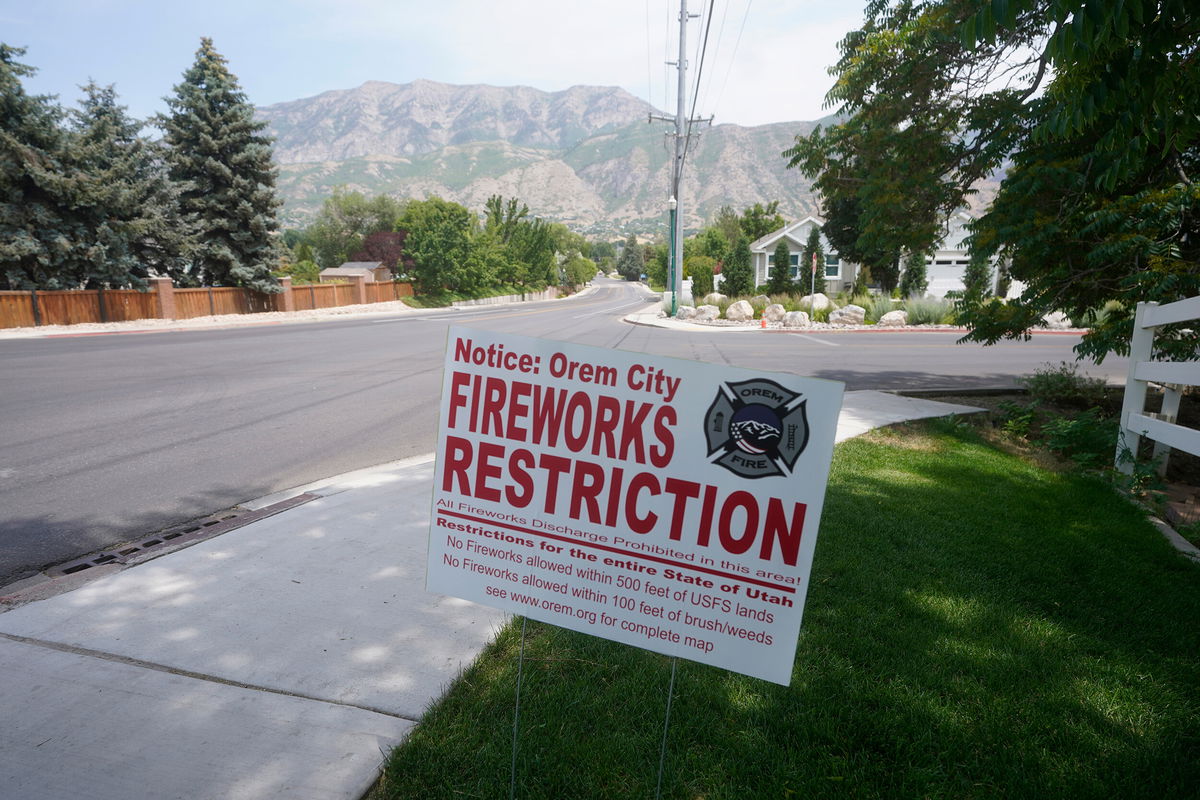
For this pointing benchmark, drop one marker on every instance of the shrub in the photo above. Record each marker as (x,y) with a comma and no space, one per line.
(1086,438)
(1064,386)
(1016,419)
(929,311)
(877,306)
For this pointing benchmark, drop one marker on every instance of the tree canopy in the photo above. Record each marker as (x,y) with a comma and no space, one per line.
(1090,110)
(222,160)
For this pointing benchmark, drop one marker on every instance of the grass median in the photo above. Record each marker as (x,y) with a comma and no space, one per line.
(976,626)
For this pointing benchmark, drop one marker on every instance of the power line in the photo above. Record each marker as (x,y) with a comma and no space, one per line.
(716,50)
(687,141)
(649,56)
(733,58)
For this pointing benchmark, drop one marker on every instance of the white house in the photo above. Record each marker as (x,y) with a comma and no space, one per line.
(945,269)
(833,276)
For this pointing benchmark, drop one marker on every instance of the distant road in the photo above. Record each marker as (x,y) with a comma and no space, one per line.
(104,439)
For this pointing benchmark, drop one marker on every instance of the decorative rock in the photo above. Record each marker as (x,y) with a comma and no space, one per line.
(740,311)
(707,313)
(893,319)
(816,302)
(759,300)
(850,315)
(773,312)
(685,312)
(795,319)
(714,299)
(1056,321)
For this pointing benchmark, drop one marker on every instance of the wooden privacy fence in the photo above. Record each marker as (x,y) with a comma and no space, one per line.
(163,301)
(1174,376)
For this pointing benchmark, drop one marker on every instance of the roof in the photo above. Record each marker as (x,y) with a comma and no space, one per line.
(761,245)
(351,268)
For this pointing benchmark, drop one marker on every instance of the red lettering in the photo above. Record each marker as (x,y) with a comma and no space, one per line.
(494,394)
(519,464)
(518,410)
(485,470)
(608,413)
(660,455)
(554,466)
(586,483)
(683,491)
(458,399)
(643,480)
(738,544)
(631,430)
(778,528)
(454,466)
(547,415)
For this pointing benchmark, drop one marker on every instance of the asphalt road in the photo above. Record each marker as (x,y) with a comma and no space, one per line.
(105,439)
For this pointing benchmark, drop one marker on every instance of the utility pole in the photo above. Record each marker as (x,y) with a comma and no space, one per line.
(675,259)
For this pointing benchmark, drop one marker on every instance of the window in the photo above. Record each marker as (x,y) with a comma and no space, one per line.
(794,260)
(833,266)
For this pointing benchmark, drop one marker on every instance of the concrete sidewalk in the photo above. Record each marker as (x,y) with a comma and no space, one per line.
(280,660)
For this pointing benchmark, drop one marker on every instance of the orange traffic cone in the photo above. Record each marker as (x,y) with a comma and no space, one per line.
(764,323)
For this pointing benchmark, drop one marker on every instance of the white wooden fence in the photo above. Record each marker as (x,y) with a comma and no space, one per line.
(1174,376)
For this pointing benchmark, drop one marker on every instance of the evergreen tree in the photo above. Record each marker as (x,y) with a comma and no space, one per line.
(813,250)
(43,235)
(781,272)
(738,273)
(222,160)
(914,282)
(632,263)
(700,270)
(132,216)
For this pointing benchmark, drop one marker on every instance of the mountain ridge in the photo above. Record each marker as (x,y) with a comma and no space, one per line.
(585,155)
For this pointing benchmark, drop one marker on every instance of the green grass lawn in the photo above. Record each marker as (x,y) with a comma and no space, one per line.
(976,626)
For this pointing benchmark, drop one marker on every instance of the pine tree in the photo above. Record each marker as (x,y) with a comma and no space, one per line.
(915,281)
(42,234)
(781,272)
(133,225)
(632,263)
(738,273)
(222,160)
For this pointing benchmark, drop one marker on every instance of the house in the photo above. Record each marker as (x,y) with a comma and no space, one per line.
(945,268)
(835,274)
(374,271)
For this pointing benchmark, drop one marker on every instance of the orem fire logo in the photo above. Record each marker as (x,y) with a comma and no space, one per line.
(758,427)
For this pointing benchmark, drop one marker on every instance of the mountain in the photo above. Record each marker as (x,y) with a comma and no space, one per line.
(585,156)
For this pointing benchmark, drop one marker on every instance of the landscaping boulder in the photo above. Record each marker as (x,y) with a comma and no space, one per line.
(707,313)
(795,319)
(816,302)
(773,312)
(759,300)
(714,299)
(685,312)
(850,315)
(740,311)
(1056,321)
(893,319)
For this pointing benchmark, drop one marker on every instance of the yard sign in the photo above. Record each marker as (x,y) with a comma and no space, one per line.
(663,503)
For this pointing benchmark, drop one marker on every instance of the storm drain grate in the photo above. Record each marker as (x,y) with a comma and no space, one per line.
(186,534)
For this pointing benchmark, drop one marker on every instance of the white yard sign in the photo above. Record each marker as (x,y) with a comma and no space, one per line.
(663,503)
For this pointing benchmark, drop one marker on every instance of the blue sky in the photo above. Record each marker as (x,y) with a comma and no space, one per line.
(288,50)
